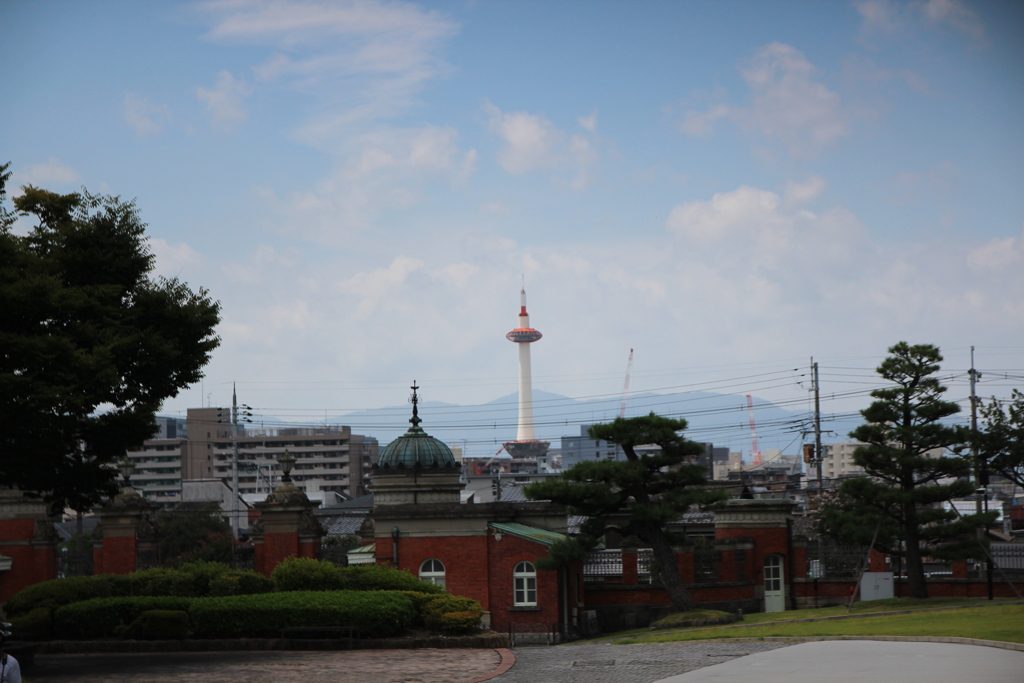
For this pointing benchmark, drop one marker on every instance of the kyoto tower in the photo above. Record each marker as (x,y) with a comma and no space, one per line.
(526,446)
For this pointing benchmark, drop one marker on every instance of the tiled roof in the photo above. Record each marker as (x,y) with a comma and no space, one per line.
(341,525)
(530,533)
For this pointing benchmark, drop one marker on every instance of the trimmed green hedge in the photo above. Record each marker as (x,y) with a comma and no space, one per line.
(159,624)
(38,623)
(199,579)
(378,614)
(304,574)
(102,617)
(59,592)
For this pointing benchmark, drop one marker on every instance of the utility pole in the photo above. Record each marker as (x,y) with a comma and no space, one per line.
(980,470)
(817,424)
(234,462)
(236,417)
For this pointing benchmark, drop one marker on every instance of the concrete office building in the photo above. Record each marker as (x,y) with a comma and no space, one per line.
(327,458)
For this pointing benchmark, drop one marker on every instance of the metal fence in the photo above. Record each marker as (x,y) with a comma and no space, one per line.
(706,560)
(334,554)
(74,563)
(601,565)
(1008,561)
(647,571)
(835,561)
(537,634)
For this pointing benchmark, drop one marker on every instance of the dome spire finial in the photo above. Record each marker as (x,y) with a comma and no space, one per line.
(415,420)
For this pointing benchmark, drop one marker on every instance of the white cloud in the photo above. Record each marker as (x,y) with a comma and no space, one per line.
(935,184)
(744,209)
(143,116)
(956,15)
(881,15)
(172,259)
(368,58)
(998,254)
(50,172)
(374,287)
(885,16)
(224,101)
(588,122)
(789,104)
(533,143)
(703,122)
(384,171)
(799,193)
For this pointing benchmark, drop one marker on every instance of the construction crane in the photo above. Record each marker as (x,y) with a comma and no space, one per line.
(625,387)
(755,454)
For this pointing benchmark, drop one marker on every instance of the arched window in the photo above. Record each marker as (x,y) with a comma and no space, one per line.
(524,584)
(433,571)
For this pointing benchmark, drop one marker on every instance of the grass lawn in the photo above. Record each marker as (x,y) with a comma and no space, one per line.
(997,622)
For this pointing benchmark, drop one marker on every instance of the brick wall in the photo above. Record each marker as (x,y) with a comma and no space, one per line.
(504,555)
(115,555)
(31,561)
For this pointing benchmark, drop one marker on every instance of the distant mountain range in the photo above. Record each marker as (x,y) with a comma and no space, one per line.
(721,419)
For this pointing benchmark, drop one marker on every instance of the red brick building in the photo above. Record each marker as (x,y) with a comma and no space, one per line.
(488,551)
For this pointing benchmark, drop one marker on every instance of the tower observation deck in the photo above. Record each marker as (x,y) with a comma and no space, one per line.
(526,446)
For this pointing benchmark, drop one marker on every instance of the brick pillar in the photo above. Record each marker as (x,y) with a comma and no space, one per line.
(127,531)
(959,568)
(685,559)
(630,574)
(28,543)
(799,559)
(286,528)
(877,561)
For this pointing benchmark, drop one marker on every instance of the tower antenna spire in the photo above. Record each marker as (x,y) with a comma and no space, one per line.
(526,447)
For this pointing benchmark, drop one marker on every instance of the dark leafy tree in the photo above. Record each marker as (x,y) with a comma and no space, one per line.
(639,496)
(194,535)
(1001,440)
(90,344)
(909,476)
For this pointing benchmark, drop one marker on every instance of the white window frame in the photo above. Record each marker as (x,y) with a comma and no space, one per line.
(524,584)
(430,573)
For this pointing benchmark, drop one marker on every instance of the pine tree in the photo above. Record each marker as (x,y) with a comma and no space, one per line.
(639,496)
(909,474)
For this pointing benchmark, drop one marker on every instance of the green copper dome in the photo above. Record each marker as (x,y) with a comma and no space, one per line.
(416,448)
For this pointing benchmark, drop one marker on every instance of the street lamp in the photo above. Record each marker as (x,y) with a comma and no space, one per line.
(286,462)
(127,467)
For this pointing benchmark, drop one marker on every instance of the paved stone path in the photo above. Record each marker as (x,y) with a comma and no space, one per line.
(586,663)
(353,666)
(604,663)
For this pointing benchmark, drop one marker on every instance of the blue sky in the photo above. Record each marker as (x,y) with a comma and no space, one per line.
(727,187)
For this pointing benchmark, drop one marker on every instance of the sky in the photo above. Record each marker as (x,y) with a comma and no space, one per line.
(727,188)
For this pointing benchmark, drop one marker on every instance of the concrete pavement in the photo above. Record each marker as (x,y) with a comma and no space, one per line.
(693,662)
(849,661)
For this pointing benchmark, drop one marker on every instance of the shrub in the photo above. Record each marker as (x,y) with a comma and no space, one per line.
(374,578)
(203,573)
(38,623)
(451,613)
(419,604)
(59,592)
(305,574)
(158,624)
(457,623)
(240,582)
(377,614)
(101,617)
(162,581)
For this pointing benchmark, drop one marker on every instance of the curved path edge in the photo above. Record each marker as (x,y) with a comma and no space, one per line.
(1001,644)
(507,660)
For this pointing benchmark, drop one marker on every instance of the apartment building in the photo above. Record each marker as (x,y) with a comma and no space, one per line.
(327,458)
